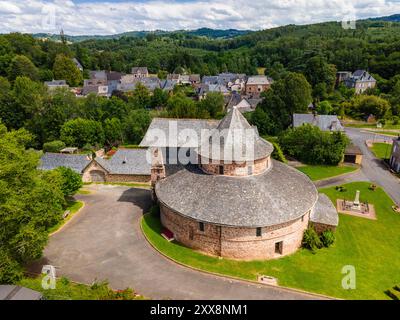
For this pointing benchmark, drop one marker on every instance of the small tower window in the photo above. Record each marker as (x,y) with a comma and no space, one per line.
(258,232)
(201,226)
(279,247)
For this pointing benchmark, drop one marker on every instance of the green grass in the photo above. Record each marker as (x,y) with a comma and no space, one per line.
(67,290)
(371,246)
(316,173)
(388,125)
(381,150)
(73,206)
(128,184)
(386,133)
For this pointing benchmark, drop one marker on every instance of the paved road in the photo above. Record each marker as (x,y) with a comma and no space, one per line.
(372,168)
(104,241)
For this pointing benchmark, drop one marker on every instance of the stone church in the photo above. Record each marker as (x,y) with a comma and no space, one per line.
(240,205)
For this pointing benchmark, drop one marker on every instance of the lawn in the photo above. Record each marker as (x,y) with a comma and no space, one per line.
(388,125)
(67,290)
(371,246)
(323,172)
(386,133)
(381,150)
(73,206)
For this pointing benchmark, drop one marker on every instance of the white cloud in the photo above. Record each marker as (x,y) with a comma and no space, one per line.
(107,17)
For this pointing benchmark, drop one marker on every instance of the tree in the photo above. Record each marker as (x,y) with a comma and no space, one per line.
(113,131)
(65,69)
(291,94)
(21,66)
(366,105)
(53,146)
(159,98)
(213,104)
(180,106)
(319,71)
(79,132)
(135,125)
(312,146)
(140,97)
(324,107)
(71,181)
(31,201)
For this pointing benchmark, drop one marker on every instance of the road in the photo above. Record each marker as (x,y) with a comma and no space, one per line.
(372,168)
(104,241)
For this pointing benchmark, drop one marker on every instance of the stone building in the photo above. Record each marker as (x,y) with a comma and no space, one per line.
(126,165)
(233,200)
(255,85)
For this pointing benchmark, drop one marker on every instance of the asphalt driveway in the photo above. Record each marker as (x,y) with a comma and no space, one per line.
(104,241)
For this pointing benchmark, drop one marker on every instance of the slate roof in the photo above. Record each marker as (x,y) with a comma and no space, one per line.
(113,75)
(12,292)
(142,70)
(279,195)
(56,83)
(98,74)
(127,161)
(325,212)
(229,141)
(50,161)
(258,80)
(352,149)
(324,122)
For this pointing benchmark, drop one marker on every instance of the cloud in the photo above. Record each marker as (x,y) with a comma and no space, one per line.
(106,17)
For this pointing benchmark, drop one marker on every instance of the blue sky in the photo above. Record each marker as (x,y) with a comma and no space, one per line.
(79,17)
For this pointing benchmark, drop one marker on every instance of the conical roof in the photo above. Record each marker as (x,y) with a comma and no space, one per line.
(234,139)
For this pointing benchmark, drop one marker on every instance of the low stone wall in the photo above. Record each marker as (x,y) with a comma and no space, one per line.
(320,227)
(128,178)
(235,242)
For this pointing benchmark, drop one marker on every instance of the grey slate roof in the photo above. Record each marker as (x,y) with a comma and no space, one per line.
(50,161)
(279,195)
(12,292)
(127,161)
(230,136)
(325,212)
(142,70)
(324,122)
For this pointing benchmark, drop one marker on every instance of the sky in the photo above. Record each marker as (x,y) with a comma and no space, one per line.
(90,17)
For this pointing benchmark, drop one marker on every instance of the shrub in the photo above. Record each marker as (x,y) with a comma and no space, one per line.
(53,146)
(327,238)
(311,240)
(396,120)
(71,181)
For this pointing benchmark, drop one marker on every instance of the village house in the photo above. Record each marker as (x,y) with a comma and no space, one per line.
(255,85)
(54,84)
(126,165)
(324,122)
(238,205)
(395,157)
(140,72)
(360,81)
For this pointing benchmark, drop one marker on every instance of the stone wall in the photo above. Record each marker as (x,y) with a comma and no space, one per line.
(237,169)
(235,242)
(130,178)
(320,227)
(133,178)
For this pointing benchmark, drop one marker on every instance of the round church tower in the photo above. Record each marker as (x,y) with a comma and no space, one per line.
(237,203)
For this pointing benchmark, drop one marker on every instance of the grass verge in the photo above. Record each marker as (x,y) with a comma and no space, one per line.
(316,173)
